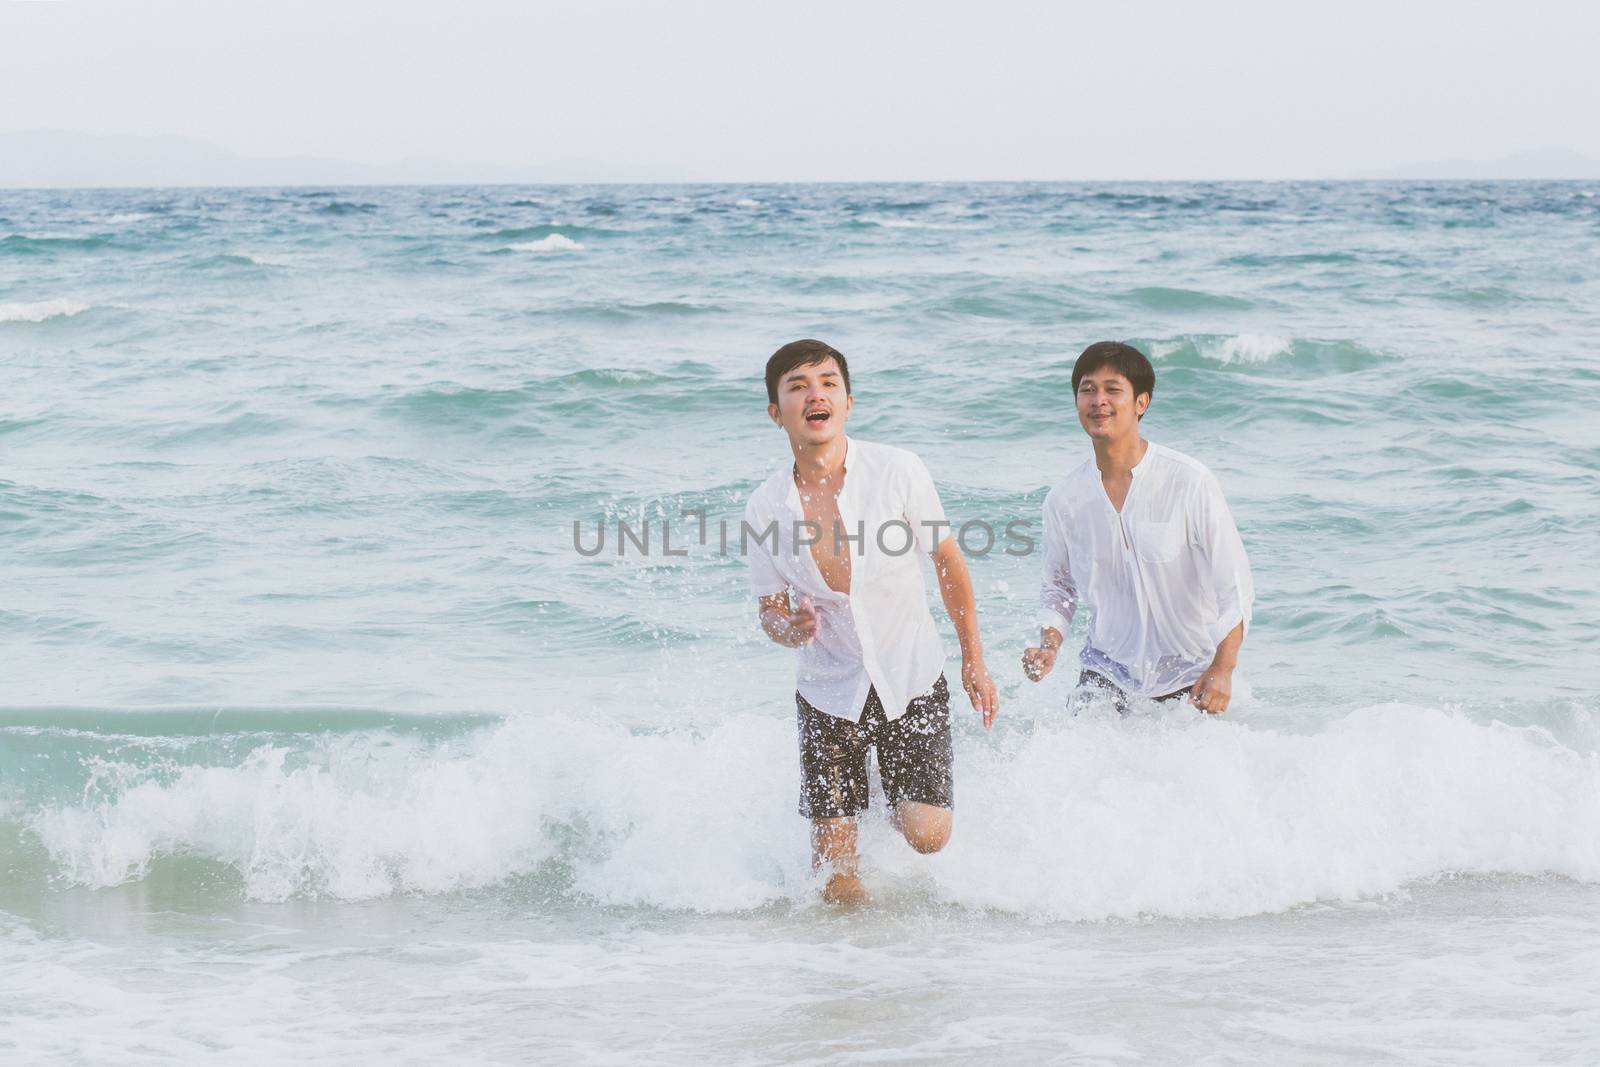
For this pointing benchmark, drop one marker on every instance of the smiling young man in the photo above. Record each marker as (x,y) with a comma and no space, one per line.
(1142,534)
(841,583)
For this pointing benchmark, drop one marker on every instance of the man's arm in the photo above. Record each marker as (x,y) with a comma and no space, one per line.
(789,628)
(1234,590)
(1058,599)
(925,515)
(955,588)
(1214,688)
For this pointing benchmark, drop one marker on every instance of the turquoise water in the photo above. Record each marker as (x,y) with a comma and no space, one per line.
(318,736)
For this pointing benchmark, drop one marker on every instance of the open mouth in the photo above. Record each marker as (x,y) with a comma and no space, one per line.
(817,418)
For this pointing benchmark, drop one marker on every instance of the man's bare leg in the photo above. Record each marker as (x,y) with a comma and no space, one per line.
(833,846)
(926,828)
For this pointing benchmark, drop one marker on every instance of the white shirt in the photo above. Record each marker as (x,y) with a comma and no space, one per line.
(1166,580)
(881,633)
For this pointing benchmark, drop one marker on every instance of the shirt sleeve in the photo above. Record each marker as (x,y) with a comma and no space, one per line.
(923,510)
(1219,540)
(764,577)
(1058,593)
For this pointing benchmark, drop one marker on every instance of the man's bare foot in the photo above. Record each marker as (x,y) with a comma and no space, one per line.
(847,890)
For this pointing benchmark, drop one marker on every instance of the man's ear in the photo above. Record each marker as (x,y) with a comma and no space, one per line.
(772,413)
(1138,408)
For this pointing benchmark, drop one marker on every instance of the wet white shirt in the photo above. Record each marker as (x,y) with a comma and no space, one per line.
(881,634)
(1165,581)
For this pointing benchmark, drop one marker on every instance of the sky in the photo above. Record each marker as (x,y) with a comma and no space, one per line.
(822,91)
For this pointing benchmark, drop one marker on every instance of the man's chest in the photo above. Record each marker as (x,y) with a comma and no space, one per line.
(859,528)
(829,538)
(1143,532)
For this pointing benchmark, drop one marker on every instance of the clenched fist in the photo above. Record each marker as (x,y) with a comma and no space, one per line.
(1038,662)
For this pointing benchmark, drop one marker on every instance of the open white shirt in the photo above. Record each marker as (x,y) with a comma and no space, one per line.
(1166,580)
(881,634)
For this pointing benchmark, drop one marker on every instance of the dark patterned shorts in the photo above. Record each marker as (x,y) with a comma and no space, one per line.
(915,756)
(1119,699)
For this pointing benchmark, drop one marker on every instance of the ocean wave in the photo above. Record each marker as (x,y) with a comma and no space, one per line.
(229,431)
(877,222)
(622,311)
(1237,348)
(1491,296)
(24,245)
(892,206)
(519,234)
(1125,200)
(1263,352)
(42,310)
(1080,819)
(166,726)
(891,222)
(125,218)
(265,261)
(555,242)
(472,409)
(236,259)
(1014,302)
(346,207)
(1162,298)
(446,404)
(1275,260)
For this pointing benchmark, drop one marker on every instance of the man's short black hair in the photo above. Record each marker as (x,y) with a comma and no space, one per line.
(1124,359)
(801,354)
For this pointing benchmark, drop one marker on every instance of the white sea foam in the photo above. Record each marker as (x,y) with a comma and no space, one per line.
(556,242)
(745,201)
(265,261)
(1234,348)
(38,312)
(123,218)
(1248,348)
(1087,818)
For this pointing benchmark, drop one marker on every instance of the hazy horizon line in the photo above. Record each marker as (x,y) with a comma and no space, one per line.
(44,159)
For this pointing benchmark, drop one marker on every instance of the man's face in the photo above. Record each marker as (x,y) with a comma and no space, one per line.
(1107,407)
(812,405)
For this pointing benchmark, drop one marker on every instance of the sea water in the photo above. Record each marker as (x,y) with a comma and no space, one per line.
(323,737)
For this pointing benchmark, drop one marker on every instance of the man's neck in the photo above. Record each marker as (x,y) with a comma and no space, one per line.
(818,465)
(1116,459)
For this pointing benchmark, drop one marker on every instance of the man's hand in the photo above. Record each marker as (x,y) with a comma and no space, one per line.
(1213,690)
(802,624)
(1038,662)
(980,688)
(790,628)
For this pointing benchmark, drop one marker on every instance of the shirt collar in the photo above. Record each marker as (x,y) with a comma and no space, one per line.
(1149,450)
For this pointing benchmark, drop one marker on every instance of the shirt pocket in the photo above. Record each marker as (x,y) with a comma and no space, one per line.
(1159,542)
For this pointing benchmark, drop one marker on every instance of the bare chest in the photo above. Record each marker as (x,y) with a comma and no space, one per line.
(826,530)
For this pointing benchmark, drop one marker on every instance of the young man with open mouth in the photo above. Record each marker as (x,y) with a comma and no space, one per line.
(1143,535)
(834,543)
